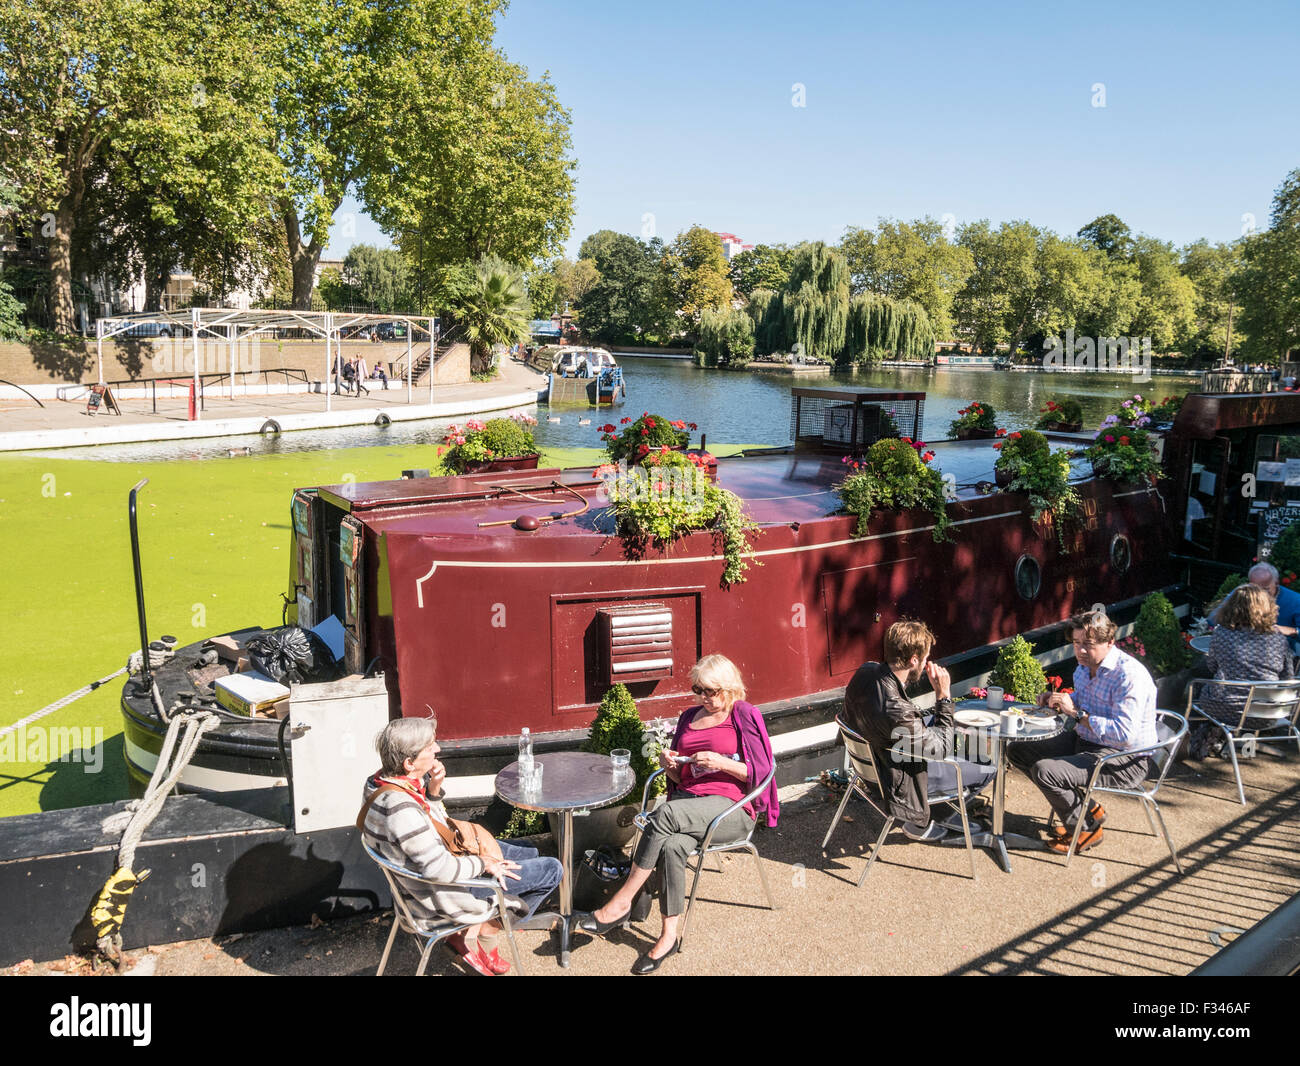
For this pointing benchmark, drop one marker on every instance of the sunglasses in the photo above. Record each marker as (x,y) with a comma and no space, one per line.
(708,693)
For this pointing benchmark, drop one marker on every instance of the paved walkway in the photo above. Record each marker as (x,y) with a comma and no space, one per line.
(66,424)
(1119,909)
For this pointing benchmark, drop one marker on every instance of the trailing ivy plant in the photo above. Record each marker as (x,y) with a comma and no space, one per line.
(893,475)
(668,495)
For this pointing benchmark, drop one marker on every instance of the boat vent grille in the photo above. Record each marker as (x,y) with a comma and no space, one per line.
(638,641)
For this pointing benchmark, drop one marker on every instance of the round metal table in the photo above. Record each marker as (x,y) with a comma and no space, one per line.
(1200,644)
(992,742)
(572,784)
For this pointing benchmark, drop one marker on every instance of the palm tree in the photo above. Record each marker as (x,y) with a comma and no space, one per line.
(494,309)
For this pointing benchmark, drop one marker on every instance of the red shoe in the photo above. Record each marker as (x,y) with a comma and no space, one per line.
(475,959)
(498,965)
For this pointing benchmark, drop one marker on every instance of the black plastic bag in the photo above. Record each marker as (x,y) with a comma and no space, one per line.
(292,655)
(600,874)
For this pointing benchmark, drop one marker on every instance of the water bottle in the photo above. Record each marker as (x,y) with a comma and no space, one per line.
(525,753)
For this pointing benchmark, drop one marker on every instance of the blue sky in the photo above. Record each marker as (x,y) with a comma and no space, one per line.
(686,112)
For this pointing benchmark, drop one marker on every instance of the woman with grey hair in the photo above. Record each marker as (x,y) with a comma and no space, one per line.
(403,816)
(719,754)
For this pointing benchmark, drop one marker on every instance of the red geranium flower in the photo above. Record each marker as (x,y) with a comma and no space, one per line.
(1001,432)
(1015,435)
(1123,440)
(624,421)
(650,422)
(607,428)
(998,446)
(692,426)
(645,432)
(643,449)
(927,457)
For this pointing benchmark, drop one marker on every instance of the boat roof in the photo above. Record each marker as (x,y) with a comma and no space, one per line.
(1205,415)
(778,488)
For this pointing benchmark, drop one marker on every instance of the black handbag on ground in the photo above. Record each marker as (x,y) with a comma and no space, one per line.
(599,876)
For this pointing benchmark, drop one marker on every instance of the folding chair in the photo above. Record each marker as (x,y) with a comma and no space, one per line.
(430,932)
(862,769)
(707,847)
(1271,707)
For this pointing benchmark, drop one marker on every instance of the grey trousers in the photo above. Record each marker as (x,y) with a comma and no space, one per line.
(1062,766)
(676,829)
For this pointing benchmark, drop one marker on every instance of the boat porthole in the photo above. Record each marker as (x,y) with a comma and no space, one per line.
(1029,577)
(1121,553)
(270,426)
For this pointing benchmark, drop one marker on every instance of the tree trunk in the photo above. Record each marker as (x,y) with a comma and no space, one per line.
(303,258)
(63,313)
(156,279)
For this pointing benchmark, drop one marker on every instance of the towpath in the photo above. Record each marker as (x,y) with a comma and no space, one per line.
(1119,909)
(23,425)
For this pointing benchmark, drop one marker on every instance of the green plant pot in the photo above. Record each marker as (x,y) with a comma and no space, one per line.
(610,827)
(1003,478)
(976,434)
(1063,427)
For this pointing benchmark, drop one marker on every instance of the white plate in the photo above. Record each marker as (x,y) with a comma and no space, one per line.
(975,719)
(1035,721)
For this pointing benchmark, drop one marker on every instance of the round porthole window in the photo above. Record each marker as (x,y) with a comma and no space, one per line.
(1121,553)
(1029,577)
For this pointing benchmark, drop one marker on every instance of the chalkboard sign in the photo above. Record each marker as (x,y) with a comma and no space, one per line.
(101,394)
(1271,524)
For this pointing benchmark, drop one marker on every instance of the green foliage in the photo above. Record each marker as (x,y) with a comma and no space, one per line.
(765,266)
(892,475)
(881,328)
(695,273)
(522,823)
(1124,454)
(1210,269)
(908,262)
(493,308)
(1229,583)
(1057,411)
(628,297)
(1041,474)
(1286,550)
(379,278)
(1018,672)
(1159,633)
(617,725)
(978,415)
(1268,281)
(1167,409)
(1110,234)
(498,438)
(647,434)
(726,339)
(11,315)
(669,496)
(810,315)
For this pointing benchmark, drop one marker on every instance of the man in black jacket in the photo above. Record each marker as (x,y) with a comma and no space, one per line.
(876,706)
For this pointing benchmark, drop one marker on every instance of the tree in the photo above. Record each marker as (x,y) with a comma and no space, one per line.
(574,280)
(1002,265)
(1210,269)
(880,328)
(1166,309)
(726,339)
(695,271)
(1110,235)
(380,278)
(765,266)
(481,167)
(541,285)
(625,301)
(494,309)
(180,92)
(812,311)
(1268,281)
(908,261)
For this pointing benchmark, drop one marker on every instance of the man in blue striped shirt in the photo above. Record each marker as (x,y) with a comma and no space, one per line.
(1114,706)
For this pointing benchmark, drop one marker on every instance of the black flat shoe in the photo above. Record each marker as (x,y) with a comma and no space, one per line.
(593,925)
(646,964)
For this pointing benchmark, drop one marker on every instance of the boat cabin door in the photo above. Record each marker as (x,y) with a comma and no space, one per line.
(308,578)
(350,536)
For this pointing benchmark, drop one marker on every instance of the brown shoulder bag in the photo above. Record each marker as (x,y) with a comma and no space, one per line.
(460,837)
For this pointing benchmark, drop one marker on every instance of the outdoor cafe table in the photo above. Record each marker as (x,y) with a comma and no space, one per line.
(1200,644)
(983,738)
(572,784)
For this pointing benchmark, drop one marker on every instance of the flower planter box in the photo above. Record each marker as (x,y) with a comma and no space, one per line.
(1063,427)
(1003,478)
(492,466)
(976,434)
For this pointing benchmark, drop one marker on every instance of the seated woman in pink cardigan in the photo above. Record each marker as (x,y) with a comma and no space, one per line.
(719,754)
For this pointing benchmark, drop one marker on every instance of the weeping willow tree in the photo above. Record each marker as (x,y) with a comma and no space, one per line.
(726,339)
(812,309)
(880,328)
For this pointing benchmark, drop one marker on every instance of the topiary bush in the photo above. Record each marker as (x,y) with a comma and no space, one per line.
(617,725)
(1229,583)
(1158,632)
(508,438)
(1018,671)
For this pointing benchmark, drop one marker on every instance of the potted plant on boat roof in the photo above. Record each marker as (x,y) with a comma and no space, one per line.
(1167,409)
(665,494)
(894,474)
(1063,416)
(498,444)
(1124,454)
(1135,411)
(975,422)
(648,433)
(1027,464)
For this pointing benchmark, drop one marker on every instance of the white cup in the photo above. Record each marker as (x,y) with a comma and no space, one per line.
(994,700)
(1012,723)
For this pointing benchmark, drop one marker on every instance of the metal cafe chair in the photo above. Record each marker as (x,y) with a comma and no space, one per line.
(1269,713)
(430,932)
(862,771)
(707,847)
(1171,727)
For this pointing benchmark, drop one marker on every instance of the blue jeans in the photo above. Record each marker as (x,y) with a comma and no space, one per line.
(538,877)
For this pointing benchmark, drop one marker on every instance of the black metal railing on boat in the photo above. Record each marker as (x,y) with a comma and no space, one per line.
(1269,948)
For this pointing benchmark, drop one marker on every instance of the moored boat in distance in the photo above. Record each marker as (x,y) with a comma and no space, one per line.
(580,375)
